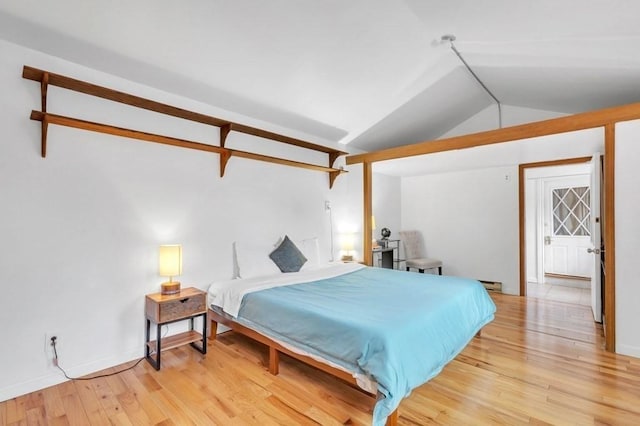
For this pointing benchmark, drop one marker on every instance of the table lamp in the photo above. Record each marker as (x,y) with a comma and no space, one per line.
(347,247)
(170,265)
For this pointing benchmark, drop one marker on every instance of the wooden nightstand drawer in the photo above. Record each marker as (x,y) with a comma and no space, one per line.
(161,309)
(181,308)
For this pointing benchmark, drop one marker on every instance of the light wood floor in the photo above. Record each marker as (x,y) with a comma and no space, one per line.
(539,362)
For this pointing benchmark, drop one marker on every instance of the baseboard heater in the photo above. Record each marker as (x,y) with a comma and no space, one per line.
(492,285)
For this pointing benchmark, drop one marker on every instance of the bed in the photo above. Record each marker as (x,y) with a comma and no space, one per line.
(387,331)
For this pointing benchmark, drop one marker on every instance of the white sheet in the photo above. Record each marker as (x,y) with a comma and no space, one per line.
(228,294)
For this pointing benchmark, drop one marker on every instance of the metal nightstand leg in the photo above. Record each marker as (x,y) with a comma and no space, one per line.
(203,346)
(147,351)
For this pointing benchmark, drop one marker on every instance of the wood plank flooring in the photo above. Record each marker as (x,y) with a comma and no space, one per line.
(540,362)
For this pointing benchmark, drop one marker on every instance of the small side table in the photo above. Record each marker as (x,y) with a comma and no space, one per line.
(160,309)
(394,244)
(386,255)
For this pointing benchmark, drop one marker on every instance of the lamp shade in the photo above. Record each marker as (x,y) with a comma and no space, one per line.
(348,241)
(347,244)
(170,260)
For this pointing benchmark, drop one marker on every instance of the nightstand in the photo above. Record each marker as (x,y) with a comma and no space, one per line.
(160,309)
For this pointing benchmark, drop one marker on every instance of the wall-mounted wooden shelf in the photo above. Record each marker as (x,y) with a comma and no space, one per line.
(46,78)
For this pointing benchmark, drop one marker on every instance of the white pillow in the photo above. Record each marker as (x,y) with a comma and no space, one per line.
(253,260)
(310,248)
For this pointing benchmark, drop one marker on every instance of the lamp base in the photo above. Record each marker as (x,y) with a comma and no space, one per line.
(171,287)
(347,258)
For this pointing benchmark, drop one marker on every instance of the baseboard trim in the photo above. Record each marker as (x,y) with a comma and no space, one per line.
(628,350)
(492,285)
(568,277)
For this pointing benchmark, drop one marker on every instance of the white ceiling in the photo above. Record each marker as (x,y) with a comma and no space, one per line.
(372,74)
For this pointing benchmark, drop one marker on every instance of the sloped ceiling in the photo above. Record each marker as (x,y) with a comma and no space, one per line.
(369,74)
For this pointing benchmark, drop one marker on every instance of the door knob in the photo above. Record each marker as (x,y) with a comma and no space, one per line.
(594,251)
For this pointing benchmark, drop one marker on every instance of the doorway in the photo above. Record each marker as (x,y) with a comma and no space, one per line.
(560,232)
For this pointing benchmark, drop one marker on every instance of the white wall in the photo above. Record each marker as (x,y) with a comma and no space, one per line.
(347,210)
(386,204)
(80,229)
(469,218)
(627,211)
(531,197)
(487,119)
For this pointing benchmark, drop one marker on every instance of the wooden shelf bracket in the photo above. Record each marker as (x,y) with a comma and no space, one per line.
(224,132)
(224,159)
(44,86)
(47,78)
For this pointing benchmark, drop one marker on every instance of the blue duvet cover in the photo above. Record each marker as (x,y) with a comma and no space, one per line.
(399,328)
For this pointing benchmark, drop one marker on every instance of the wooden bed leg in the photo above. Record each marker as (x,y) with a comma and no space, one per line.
(214,331)
(392,420)
(274,361)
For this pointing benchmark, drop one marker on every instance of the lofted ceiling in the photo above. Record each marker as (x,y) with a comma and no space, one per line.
(369,74)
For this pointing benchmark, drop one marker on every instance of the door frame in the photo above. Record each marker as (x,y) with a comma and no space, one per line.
(522,212)
(608,228)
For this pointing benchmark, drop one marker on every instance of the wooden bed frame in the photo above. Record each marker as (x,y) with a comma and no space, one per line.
(274,354)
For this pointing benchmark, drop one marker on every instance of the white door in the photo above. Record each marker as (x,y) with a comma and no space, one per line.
(567,226)
(596,248)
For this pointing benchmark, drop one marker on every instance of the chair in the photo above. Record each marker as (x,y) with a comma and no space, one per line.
(415,253)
